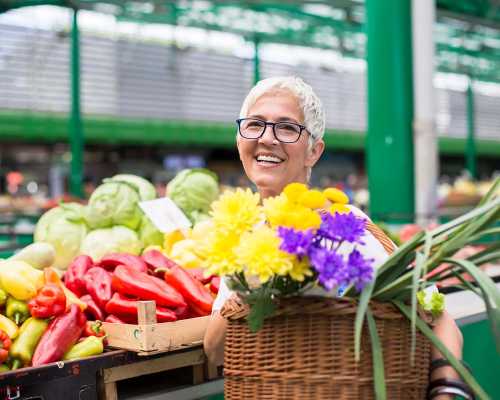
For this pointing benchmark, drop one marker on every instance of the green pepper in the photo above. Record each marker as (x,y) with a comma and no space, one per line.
(24,346)
(90,346)
(3,297)
(17,310)
(4,368)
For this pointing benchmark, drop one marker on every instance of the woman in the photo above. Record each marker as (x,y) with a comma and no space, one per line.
(281,127)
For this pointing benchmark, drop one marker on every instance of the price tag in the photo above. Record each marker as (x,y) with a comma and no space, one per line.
(165,215)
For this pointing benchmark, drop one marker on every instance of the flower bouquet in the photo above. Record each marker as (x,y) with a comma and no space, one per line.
(299,266)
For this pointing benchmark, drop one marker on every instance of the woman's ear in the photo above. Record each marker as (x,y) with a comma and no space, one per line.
(315,153)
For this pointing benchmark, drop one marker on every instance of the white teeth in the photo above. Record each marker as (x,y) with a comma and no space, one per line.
(269,159)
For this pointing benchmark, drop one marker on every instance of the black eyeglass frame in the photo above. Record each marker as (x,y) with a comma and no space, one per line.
(273,125)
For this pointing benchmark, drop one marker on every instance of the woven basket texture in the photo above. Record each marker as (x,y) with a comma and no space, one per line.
(306,351)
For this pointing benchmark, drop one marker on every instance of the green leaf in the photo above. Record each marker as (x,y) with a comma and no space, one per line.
(360,317)
(378,359)
(491,193)
(490,295)
(436,342)
(261,307)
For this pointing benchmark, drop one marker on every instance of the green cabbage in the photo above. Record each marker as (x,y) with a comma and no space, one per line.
(114,203)
(146,190)
(64,228)
(118,239)
(148,234)
(194,190)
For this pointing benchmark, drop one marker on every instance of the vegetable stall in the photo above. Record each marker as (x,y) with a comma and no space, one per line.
(100,297)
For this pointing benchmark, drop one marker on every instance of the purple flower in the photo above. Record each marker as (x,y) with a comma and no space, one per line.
(295,241)
(329,265)
(360,269)
(342,227)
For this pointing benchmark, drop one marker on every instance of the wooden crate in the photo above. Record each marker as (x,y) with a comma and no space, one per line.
(148,336)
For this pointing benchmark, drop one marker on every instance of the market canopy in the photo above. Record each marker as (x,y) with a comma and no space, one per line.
(467,31)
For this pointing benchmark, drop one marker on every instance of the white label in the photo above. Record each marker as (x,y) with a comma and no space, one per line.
(165,215)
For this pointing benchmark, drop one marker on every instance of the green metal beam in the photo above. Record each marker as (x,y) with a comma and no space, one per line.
(51,128)
(470,153)
(389,148)
(75,126)
(256,60)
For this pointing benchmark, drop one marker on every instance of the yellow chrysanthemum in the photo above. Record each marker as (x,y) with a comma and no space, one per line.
(259,253)
(219,253)
(276,209)
(281,212)
(300,269)
(336,196)
(312,199)
(293,191)
(339,208)
(302,218)
(236,211)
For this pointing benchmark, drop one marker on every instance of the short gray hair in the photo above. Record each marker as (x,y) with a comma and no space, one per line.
(309,102)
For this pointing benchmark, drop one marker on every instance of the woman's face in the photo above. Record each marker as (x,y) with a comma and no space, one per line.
(268,163)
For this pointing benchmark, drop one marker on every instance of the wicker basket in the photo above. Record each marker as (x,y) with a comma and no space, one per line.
(306,351)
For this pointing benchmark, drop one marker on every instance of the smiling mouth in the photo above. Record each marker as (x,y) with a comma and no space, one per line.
(268,159)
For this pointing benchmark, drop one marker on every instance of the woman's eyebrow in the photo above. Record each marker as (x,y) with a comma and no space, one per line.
(280,119)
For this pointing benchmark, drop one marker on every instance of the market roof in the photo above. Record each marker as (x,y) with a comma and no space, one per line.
(467,31)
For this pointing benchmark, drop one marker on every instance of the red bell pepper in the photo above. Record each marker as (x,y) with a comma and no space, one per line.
(62,333)
(113,319)
(93,311)
(124,306)
(5,344)
(74,277)
(111,261)
(196,295)
(98,284)
(199,274)
(50,301)
(215,284)
(130,282)
(94,328)
(156,259)
(182,312)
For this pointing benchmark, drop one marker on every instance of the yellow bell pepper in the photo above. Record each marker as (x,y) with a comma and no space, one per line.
(20,279)
(8,326)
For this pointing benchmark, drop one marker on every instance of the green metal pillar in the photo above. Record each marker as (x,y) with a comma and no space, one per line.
(470,151)
(256,60)
(389,143)
(75,125)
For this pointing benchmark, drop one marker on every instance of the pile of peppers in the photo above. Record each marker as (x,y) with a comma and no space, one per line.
(112,286)
(41,320)
(44,319)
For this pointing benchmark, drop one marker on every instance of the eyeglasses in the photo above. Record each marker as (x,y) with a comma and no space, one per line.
(284,132)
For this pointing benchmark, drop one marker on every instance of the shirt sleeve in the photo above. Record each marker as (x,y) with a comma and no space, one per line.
(223,294)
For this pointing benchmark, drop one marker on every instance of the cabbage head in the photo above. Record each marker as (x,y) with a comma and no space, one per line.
(194,190)
(64,228)
(148,234)
(146,189)
(114,203)
(118,239)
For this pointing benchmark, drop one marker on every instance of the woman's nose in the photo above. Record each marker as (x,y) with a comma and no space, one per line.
(268,136)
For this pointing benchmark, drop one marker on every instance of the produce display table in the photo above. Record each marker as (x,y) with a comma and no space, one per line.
(99,377)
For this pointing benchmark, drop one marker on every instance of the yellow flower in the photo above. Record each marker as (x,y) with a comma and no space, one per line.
(236,211)
(259,254)
(336,196)
(293,191)
(300,269)
(276,209)
(281,212)
(218,253)
(312,199)
(339,208)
